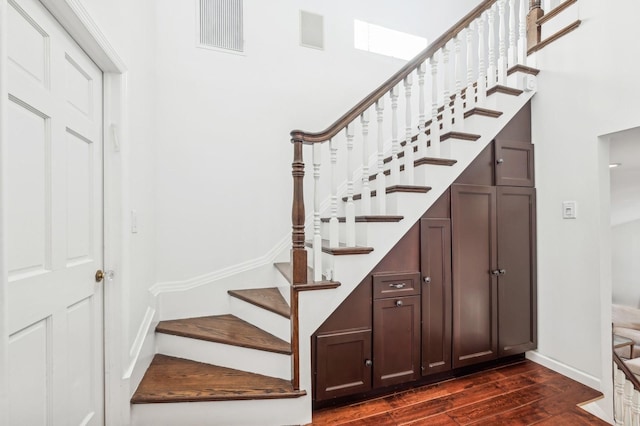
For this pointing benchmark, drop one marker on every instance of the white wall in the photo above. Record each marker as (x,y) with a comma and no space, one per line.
(625,252)
(587,88)
(224,157)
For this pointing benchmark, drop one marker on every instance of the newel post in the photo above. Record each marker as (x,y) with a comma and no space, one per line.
(534,32)
(298,251)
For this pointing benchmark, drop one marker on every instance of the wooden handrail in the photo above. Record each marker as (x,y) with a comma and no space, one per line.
(363,105)
(628,374)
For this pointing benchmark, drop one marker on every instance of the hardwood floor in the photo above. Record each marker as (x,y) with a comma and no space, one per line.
(519,394)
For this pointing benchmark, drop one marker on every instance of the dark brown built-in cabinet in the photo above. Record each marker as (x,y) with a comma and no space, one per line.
(459,289)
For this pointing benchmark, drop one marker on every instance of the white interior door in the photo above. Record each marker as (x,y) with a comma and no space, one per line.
(55,226)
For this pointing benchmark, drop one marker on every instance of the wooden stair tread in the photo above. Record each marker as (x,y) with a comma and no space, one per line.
(368,219)
(227,329)
(285,270)
(523,68)
(342,249)
(394,189)
(459,135)
(564,31)
(419,162)
(170,379)
(267,298)
(485,112)
(498,88)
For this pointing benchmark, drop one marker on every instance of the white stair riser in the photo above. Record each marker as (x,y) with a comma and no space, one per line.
(261,318)
(245,359)
(363,229)
(560,21)
(265,412)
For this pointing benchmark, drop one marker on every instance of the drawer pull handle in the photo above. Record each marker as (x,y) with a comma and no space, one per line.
(399,285)
(398,303)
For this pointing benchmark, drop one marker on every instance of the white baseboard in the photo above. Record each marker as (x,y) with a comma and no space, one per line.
(565,370)
(596,408)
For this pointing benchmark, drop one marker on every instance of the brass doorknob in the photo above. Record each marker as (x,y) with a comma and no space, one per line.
(99,275)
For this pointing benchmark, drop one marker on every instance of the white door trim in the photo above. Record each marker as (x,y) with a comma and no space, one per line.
(79,24)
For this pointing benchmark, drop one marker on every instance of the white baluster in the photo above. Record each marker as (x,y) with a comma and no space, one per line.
(618,396)
(381,178)
(434,130)
(394,176)
(522,39)
(458,104)
(502,52)
(317,237)
(333,222)
(408,134)
(482,71)
(628,394)
(470,97)
(491,70)
(366,191)
(513,49)
(350,209)
(635,409)
(446,97)
(422,135)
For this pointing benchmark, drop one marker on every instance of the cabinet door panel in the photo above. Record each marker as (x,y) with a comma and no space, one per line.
(435,256)
(341,364)
(474,237)
(514,163)
(396,340)
(516,256)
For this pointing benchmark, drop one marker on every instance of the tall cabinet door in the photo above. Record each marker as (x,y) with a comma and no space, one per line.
(435,259)
(474,237)
(396,340)
(517,264)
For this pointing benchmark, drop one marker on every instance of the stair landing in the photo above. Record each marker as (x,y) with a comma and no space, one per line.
(171,379)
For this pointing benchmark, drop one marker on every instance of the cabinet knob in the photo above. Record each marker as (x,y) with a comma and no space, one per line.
(502,271)
(427,280)
(495,272)
(500,161)
(368,362)
(398,302)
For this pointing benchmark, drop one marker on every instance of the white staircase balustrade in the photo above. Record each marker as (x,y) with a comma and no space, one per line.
(395,145)
(502,51)
(626,399)
(522,38)
(381,178)
(408,145)
(470,93)
(366,190)
(350,210)
(317,236)
(513,45)
(333,221)
(434,129)
(491,66)
(446,94)
(458,114)
(482,70)
(422,135)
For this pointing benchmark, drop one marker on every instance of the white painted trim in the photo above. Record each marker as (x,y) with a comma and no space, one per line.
(76,21)
(191,283)
(4,323)
(136,347)
(595,408)
(565,370)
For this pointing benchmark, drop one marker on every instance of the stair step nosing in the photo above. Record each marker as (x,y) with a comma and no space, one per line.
(259,304)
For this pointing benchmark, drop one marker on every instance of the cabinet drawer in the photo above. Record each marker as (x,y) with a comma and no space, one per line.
(396,284)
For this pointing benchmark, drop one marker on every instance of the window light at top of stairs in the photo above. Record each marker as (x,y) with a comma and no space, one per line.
(385,41)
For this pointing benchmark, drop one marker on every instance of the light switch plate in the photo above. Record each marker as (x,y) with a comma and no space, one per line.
(569,209)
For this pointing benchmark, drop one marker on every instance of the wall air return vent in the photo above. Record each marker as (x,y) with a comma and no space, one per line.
(311,30)
(221,24)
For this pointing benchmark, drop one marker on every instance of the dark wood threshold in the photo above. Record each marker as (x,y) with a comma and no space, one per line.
(266,298)
(459,135)
(566,30)
(226,329)
(485,112)
(367,219)
(395,188)
(342,249)
(555,11)
(285,270)
(169,379)
(499,88)
(524,69)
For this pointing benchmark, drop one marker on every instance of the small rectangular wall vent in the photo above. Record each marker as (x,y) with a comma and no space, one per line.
(311,30)
(221,24)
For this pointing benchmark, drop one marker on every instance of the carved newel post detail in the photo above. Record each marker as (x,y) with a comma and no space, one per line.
(534,33)
(298,251)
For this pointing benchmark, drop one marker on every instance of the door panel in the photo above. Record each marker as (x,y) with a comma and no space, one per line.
(54,185)
(514,163)
(475,327)
(435,254)
(396,340)
(341,367)
(516,256)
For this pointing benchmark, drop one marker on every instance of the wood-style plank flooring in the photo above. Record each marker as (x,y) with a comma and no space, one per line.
(519,394)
